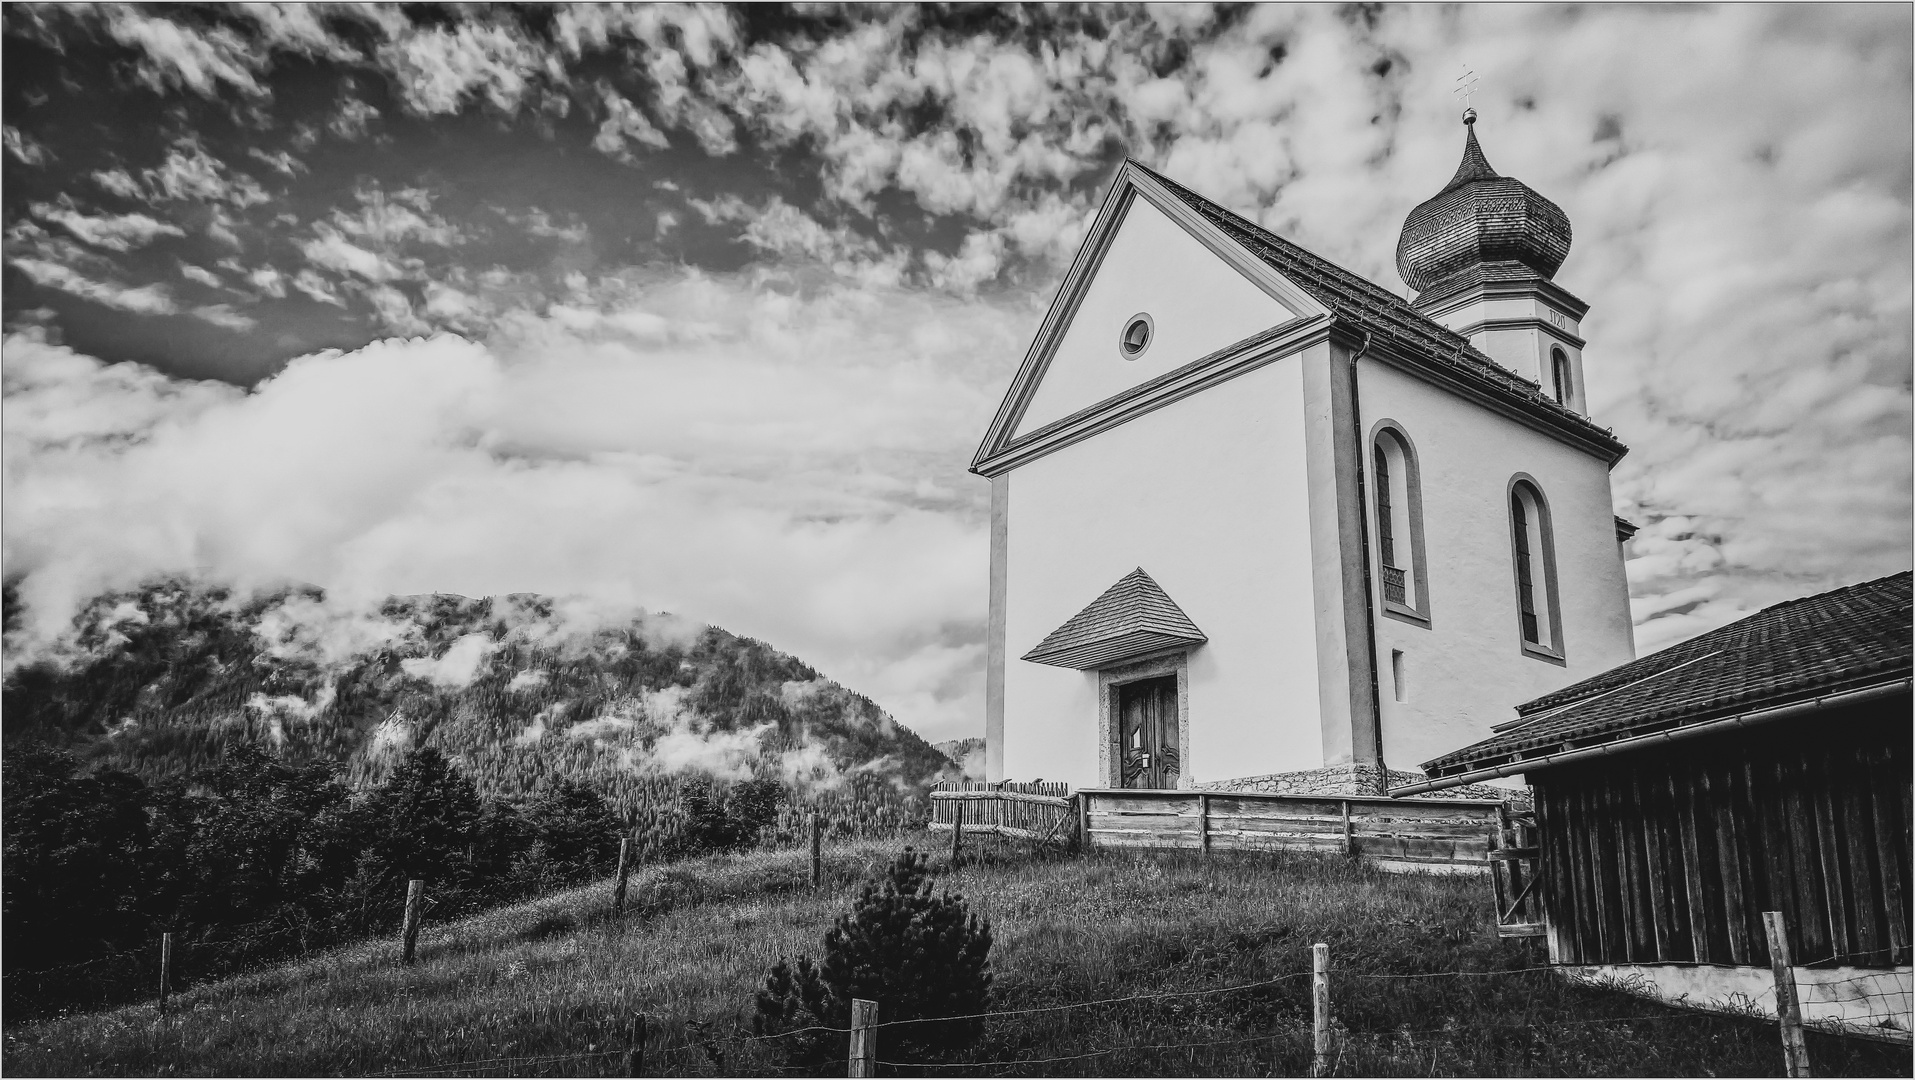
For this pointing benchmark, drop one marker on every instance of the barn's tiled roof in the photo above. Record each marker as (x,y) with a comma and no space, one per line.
(1378,311)
(1842,640)
(1132,618)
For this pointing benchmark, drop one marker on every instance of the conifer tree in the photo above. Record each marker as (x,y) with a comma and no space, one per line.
(428,816)
(917,954)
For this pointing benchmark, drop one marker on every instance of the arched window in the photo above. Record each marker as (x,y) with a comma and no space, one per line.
(1538,611)
(1559,372)
(1398,524)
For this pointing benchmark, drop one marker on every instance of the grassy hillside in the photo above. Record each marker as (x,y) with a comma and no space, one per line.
(550,987)
(515,690)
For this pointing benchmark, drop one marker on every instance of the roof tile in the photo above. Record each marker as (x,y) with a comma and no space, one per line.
(1845,639)
(1377,310)
(1131,619)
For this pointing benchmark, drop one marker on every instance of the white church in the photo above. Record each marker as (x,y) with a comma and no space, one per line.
(1260,524)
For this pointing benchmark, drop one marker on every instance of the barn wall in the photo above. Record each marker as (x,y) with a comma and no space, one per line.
(1672,854)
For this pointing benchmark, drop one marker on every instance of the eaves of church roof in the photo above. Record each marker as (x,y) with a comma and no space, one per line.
(1850,642)
(1388,319)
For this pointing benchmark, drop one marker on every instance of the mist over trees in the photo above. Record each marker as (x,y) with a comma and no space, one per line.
(262,774)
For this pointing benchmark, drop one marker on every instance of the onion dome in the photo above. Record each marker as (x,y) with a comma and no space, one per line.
(1481,225)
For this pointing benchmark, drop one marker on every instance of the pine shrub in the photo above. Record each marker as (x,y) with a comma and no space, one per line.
(916,954)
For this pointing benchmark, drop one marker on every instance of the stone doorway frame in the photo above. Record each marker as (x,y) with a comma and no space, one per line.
(1109,762)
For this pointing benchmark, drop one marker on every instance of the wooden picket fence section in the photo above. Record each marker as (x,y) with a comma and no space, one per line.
(1423,832)
(1027,811)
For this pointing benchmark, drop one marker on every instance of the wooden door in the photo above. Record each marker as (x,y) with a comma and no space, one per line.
(1147,733)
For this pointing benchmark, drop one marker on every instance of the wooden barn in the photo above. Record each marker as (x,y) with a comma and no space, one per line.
(1764,766)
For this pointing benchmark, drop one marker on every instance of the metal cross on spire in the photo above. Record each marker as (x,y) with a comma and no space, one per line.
(1465,87)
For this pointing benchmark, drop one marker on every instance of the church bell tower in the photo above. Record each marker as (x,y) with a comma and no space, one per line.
(1481,255)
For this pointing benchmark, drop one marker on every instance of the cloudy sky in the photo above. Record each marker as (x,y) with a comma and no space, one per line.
(705,309)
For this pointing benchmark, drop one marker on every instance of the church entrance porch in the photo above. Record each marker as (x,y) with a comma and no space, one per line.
(1147,733)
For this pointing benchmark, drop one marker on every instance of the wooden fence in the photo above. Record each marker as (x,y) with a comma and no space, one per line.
(1419,831)
(1032,811)
(1422,832)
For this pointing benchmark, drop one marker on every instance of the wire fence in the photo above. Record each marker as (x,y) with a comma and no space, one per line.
(1287,1040)
(1379,1023)
(1288,1043)
(800,848)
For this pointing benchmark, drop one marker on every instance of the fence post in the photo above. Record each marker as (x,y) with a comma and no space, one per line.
(415,893)
(864,1043)
(635,1060)
(624,873)
(817,851)
(1320,1007)
(1788,1010)
(166,966)
(1083,822)
(957,831)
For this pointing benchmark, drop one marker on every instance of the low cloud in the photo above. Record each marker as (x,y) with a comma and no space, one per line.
(769,461)
(456,667)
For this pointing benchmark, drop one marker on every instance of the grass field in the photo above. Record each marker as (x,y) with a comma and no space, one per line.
(550,987)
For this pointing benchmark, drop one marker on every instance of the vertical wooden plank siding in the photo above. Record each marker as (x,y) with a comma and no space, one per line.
(1603,850)
(1670,856)
(1695,893)
(1836,892)
(1719,792)
(1625,811)
(1891,840)
(1659,886)
(1769,849)
(1864,872)
(1809,933)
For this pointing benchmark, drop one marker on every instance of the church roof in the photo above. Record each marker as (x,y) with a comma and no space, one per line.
(1386,316)
(1849,639)
(1133,618)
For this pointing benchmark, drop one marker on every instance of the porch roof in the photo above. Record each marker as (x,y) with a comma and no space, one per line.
(1132,619)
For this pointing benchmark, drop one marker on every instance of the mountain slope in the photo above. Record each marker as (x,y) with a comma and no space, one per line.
(517,690)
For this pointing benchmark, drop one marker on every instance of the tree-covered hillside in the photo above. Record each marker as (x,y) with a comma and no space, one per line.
(516,691)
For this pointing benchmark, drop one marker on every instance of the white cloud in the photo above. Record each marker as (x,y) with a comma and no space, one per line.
(174,55)
(330,250)
(201,275)
(115,232)
(190,173)
(748,456)
(145,299)
(267,280)
(624,122)
(224,317)
(119,182)
(454,668)
(280,162)
(316,286)
(352,119)
(22,147)
(438,67)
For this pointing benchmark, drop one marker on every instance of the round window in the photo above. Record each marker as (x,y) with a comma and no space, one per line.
(1137,334)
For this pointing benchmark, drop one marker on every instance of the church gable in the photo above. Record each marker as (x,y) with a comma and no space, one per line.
(1150,258)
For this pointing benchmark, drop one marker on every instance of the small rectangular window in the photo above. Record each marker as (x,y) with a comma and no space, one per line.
(1396,675)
